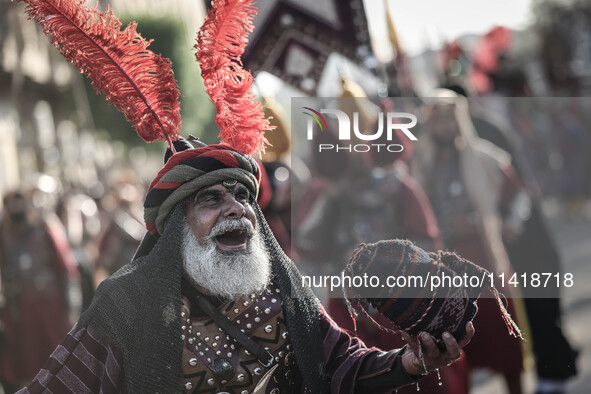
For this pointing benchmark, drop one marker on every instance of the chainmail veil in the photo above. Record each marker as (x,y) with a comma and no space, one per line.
(302,312)
(138,311)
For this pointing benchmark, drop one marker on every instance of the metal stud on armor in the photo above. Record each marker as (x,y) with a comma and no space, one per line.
(238,370)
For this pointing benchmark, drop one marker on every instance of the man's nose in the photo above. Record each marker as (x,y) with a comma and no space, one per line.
(234,208)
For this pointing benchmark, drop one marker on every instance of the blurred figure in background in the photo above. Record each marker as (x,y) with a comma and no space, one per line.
(37,268)
(476,196)
(80,216)
(275,194)
(123,229)
(533,250)
(572,137)
(362,198)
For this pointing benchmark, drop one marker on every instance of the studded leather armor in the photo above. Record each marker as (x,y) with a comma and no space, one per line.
(214,362)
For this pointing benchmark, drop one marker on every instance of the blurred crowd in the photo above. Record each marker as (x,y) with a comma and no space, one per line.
(490,162)
(490,158)
(56,246)
(451,190)
(469,184)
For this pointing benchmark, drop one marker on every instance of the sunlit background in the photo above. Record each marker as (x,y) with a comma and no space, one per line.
(82,166)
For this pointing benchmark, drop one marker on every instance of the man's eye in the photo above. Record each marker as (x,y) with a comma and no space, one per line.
(243,196)
(208,199)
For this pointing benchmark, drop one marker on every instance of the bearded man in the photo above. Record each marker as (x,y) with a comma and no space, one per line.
(212,304)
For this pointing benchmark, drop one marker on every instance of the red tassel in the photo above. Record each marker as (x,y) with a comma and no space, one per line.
(220,45)
(136,81)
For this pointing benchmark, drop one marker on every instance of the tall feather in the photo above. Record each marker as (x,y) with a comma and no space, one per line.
(220,45)
(136,81)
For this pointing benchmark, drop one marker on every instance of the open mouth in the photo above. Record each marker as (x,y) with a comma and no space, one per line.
(232,240)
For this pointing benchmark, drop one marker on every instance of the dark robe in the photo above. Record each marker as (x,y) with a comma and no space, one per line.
(88,363)
(138,313)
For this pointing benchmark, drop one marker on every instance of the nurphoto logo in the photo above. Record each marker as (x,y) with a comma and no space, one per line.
(391,122)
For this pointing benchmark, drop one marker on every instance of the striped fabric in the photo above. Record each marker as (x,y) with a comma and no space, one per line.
(83,363)
(190,170)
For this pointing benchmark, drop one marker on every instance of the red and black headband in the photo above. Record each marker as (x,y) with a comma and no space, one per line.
(188,171)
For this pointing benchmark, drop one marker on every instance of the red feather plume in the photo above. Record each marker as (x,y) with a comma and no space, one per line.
(220,45)
(136,81)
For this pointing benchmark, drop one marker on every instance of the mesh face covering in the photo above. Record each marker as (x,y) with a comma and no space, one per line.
(138,311)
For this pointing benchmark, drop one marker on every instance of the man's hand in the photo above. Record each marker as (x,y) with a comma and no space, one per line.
(432,356)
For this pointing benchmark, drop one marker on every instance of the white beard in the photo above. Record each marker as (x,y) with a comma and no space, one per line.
(227,274)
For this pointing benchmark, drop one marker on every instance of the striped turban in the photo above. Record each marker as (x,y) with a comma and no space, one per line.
(188,171)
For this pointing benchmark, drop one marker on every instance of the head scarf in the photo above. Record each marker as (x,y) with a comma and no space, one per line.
(188,171)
